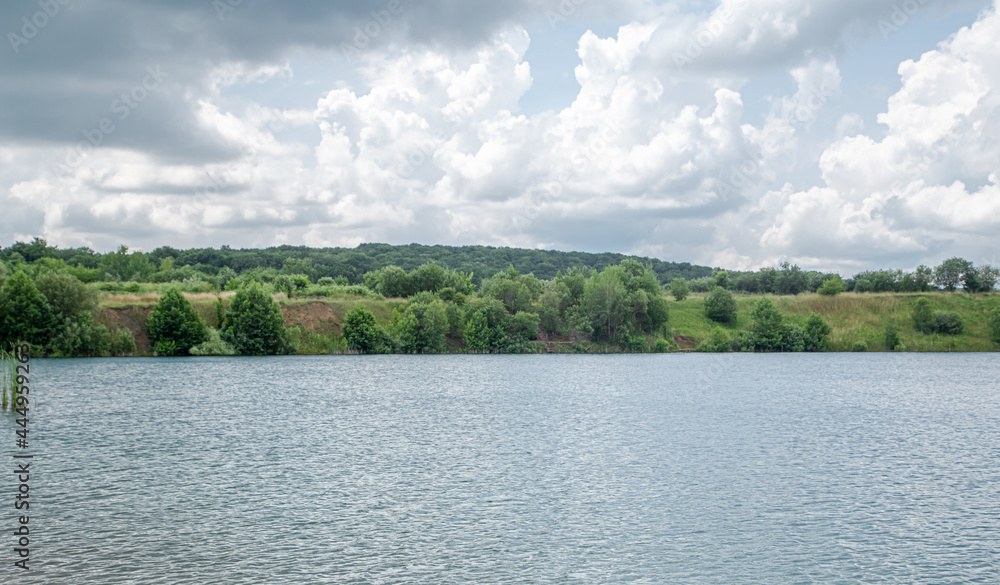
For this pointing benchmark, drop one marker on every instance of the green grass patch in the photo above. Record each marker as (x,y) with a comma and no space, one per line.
(857,319)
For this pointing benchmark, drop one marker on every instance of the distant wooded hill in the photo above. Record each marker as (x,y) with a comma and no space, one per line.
(353,263)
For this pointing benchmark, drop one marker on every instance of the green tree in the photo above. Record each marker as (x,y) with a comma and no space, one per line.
(949,274)
(679,289)
(174,325)
(549,313)
(720,306)
(421,327)
(391,281)
(923,318)
(649,309)
(767,326)
(817,333)
(479,336)
(524,325)
(254,324)
(303,266)
(793,338)
(67,296)
(283,283)
(224,276)
(428,277)
(486,328)
(25,314)
(791,280)
(971,281)
(923,276)
(606,303)
(721,278)
(988,277)
(220,312)
(80,336)
(363,333)
(120,265)
(516,291)
(832,286)
(570,288)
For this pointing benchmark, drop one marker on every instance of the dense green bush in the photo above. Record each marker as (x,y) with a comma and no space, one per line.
(486,325)
(363,333)
(948,323)
(123,343)
(120,287)
(283,283)
(718,342)
(793,338)
(661,346)
(478,334)
(767,328)
(66,294)
(254,324)
(832,286)
(25,314)
(891,336)
(635,344)
(516,291)
(174,325)
(393,281)
(606,304)
(720,306)
(420,327)
(817,333)
(524,325)
(214,345)
(679,289)
(80,336)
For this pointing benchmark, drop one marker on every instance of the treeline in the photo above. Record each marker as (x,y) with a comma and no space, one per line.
(788,279)
(167,264)
(621,306)
(50,301)
(206,269)
(624,306)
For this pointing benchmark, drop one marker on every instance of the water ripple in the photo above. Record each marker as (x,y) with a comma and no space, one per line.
(875,468)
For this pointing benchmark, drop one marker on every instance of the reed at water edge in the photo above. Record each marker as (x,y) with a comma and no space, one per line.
(8,378)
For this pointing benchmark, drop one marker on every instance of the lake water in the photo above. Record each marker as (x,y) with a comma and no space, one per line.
(794,468)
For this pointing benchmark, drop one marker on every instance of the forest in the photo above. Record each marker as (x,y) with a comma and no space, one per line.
(435,299)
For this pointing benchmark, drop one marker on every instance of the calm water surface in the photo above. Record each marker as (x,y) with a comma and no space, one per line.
(850,468)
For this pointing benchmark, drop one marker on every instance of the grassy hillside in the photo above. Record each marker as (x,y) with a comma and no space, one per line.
(857,319)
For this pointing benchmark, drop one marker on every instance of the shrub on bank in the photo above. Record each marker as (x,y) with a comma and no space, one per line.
(174,326)
(948,323)
(254,324)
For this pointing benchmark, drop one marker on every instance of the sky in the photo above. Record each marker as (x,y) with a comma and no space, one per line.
(837,135)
